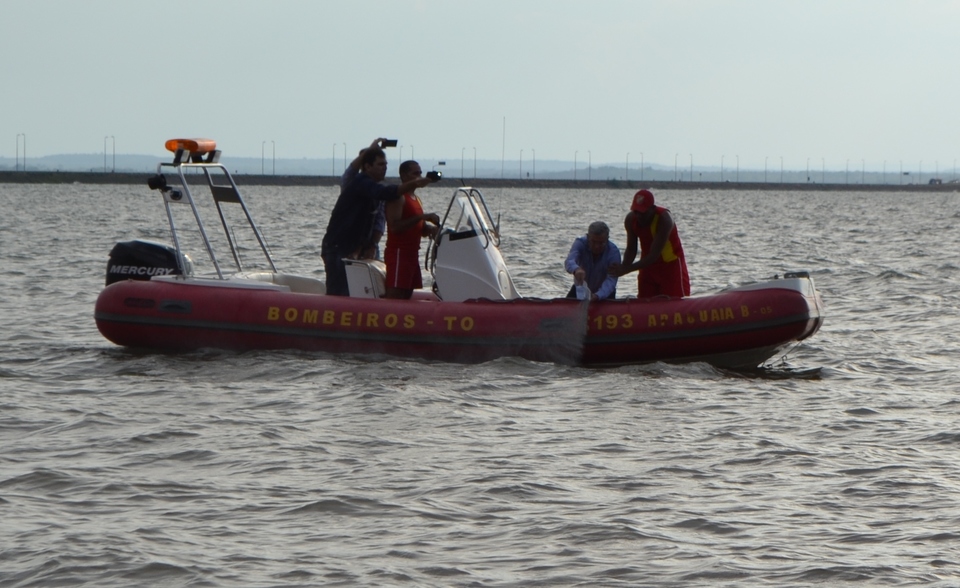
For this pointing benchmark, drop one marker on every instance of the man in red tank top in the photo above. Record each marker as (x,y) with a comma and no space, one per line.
(662,265)
(406,225)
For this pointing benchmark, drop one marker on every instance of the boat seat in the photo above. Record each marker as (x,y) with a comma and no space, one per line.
(297,284)
(301,284)
(366,278)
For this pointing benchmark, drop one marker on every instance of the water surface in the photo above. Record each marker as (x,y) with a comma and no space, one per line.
(837,464)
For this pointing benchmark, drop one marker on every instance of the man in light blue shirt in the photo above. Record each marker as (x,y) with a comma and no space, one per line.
(589,261)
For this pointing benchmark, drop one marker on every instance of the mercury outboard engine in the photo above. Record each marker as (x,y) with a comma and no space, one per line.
(141,260)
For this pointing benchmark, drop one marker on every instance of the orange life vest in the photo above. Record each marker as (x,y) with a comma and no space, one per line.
(410,238)
(672,249)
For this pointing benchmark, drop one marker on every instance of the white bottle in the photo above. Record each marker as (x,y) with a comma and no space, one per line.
(583,292)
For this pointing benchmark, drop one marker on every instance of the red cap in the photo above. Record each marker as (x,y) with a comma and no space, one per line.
(642,200)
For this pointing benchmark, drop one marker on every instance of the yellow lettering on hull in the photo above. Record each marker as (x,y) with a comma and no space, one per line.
(677,319)
(359,320)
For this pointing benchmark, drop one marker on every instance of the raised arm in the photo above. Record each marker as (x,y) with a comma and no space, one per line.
(354,167)
(407,187)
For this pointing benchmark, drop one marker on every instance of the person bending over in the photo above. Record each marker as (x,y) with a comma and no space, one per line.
(662,266)
(589,261)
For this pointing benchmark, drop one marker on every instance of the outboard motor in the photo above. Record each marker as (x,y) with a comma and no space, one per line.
(141,260)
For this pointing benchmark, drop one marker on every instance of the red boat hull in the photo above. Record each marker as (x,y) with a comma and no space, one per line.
(735,328)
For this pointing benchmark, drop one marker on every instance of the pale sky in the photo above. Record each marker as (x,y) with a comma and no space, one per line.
(608,80)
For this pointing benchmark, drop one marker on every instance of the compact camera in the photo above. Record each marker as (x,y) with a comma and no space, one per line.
(389,143)
(434,176)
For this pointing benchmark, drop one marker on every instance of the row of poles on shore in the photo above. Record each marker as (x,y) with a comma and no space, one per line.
(677,175)
(23,136)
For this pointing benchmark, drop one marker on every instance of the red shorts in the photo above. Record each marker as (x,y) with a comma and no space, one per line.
(403,269)
(664,279)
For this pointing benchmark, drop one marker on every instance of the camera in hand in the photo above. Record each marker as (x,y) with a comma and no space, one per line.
(434,176)
(389,143)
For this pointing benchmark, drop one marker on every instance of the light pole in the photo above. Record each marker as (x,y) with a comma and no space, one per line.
(274,144)
(521,164)
(919,172)
(575,165)
(113,145)
(263,146)
(503,147)
(17,166)
(105,153)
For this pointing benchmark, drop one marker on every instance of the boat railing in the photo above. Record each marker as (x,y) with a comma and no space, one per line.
(222,192)
(473,215)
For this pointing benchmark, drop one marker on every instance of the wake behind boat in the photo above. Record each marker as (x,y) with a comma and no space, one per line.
(473,312)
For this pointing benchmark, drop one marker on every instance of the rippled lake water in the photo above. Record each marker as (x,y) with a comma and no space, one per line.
(838,464)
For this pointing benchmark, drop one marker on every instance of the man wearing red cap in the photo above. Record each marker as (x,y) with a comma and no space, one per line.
(662,266)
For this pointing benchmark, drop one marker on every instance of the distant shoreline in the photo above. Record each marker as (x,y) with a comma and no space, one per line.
(44,177)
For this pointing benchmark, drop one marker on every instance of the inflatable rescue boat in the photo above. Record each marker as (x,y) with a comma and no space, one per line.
(473,313)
